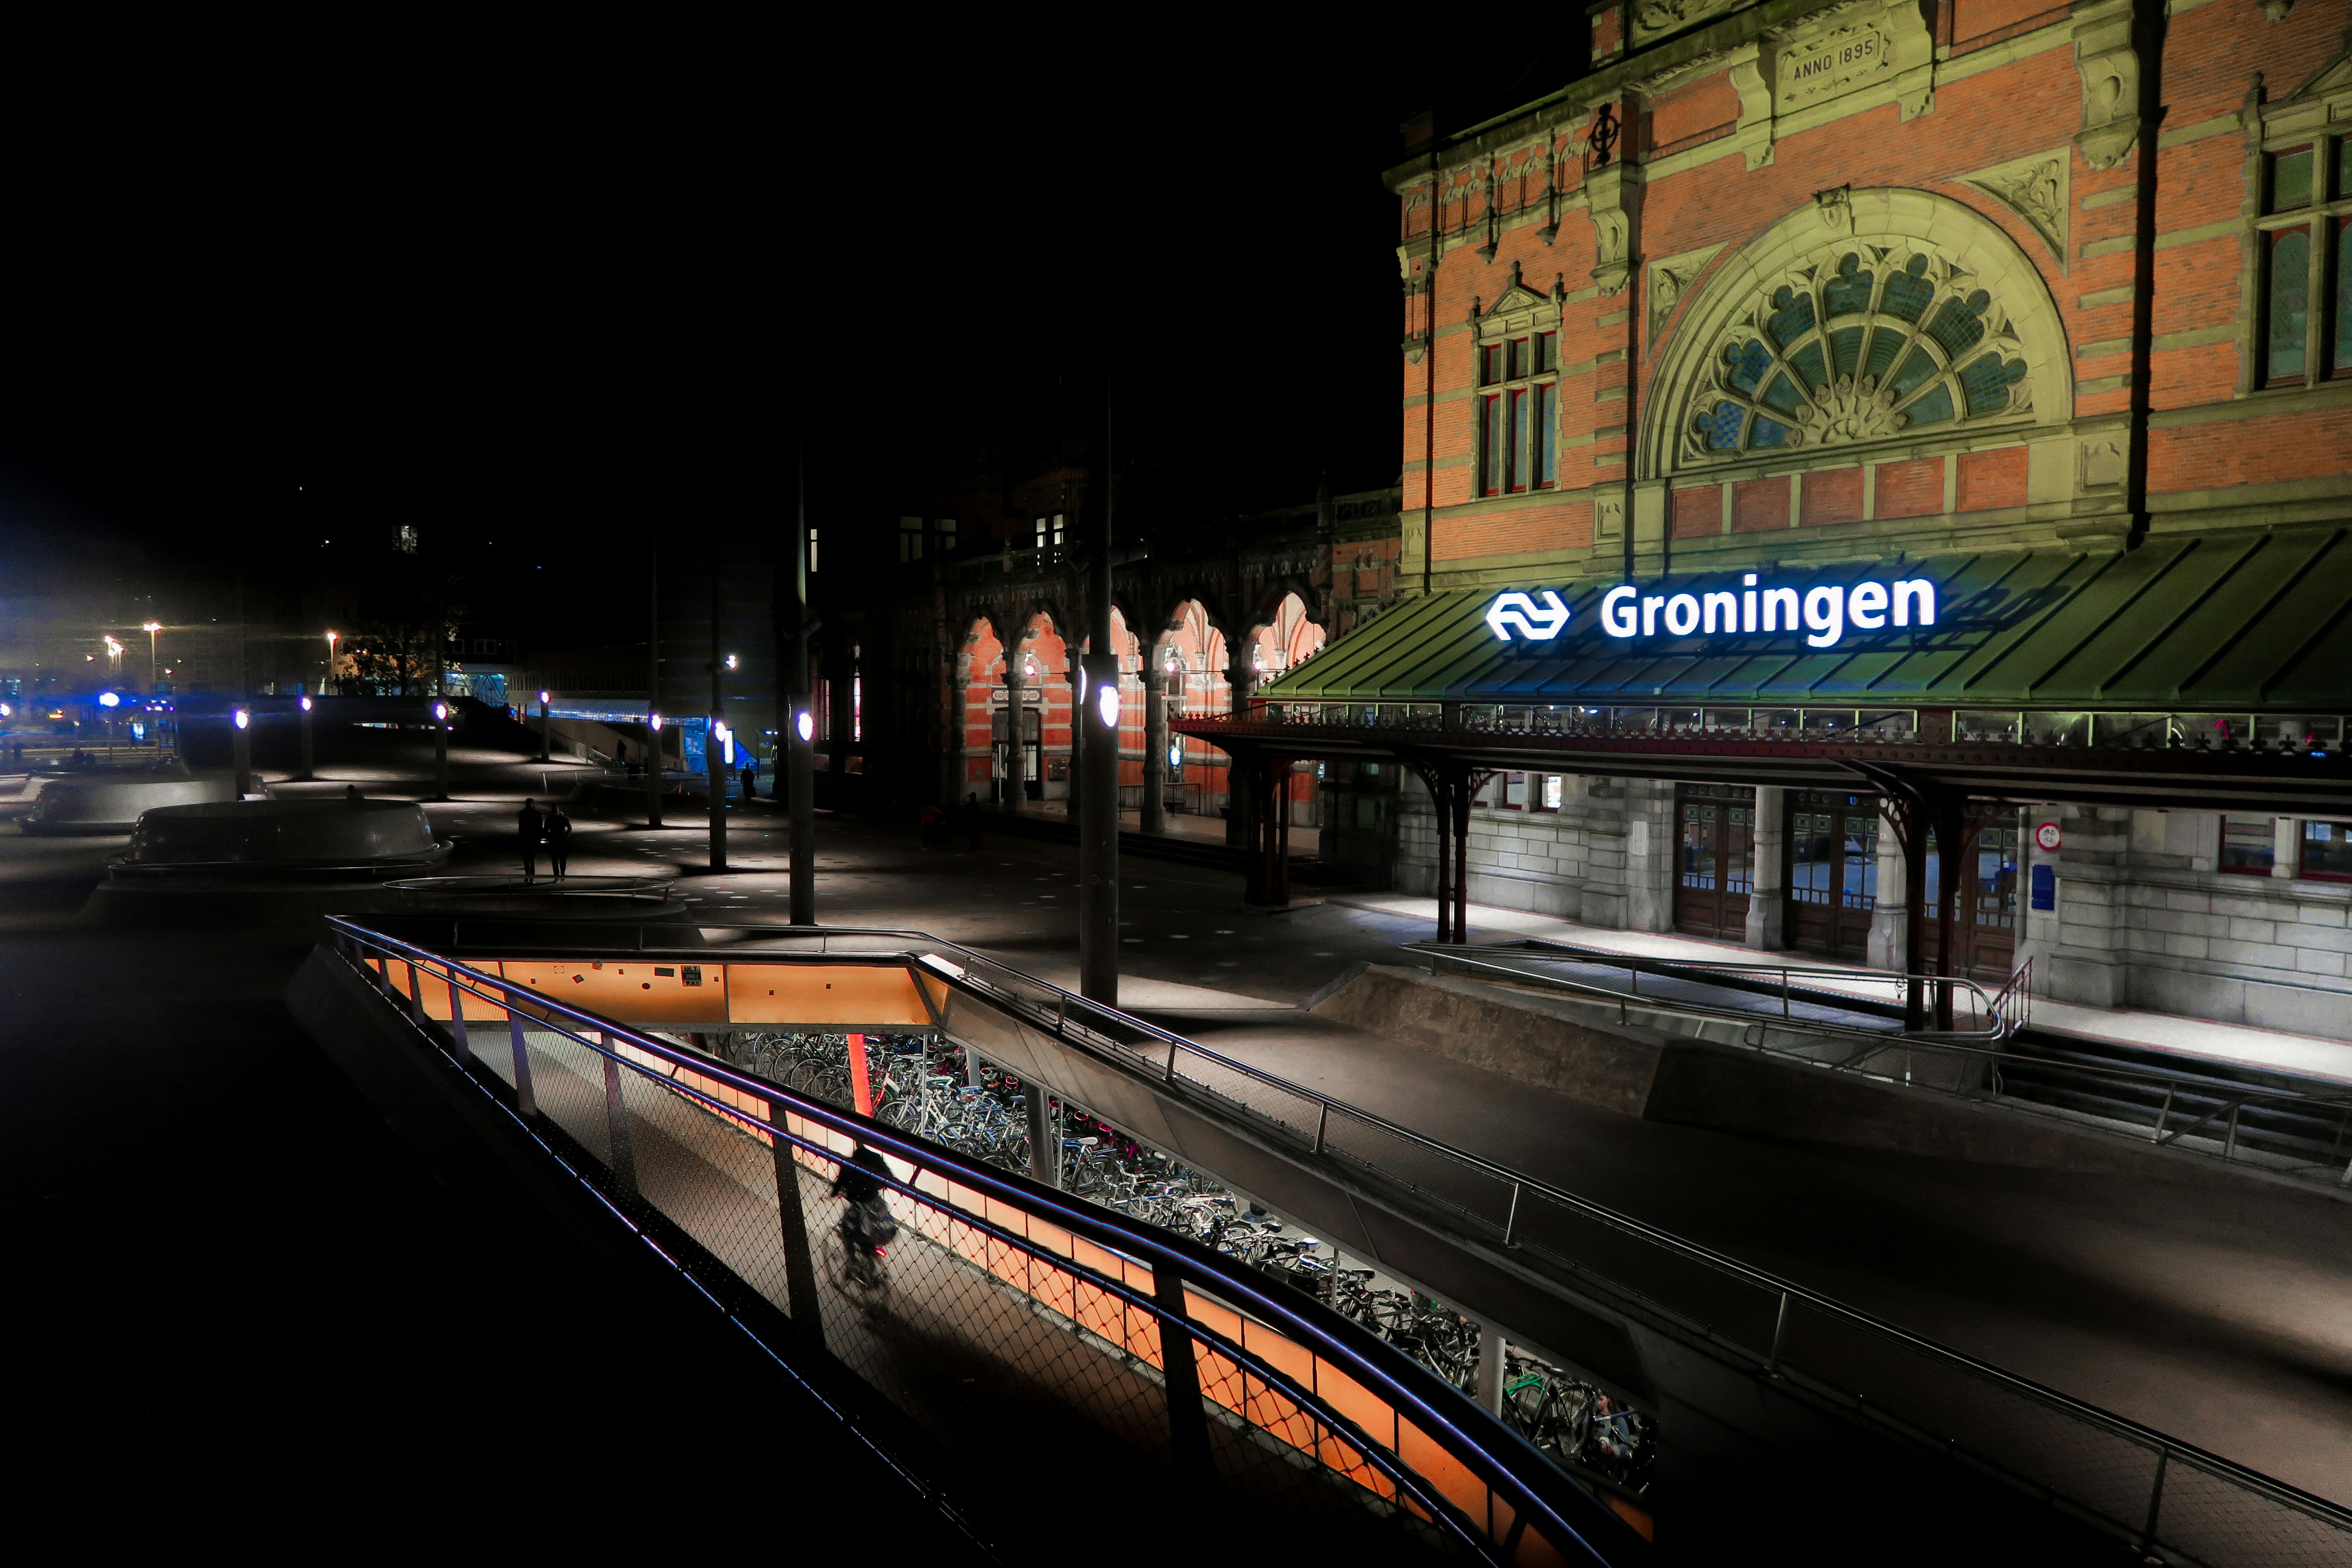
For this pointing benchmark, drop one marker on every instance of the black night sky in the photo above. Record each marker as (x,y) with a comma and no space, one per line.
(545,301)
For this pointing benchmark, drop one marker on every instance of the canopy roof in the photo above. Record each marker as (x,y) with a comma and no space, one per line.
(2252,621)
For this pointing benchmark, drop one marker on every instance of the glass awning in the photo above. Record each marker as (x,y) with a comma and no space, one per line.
(2250,622)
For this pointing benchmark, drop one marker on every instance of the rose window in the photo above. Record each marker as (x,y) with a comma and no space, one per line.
(1874,343)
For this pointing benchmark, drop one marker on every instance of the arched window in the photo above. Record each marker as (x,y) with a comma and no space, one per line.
(1861,341)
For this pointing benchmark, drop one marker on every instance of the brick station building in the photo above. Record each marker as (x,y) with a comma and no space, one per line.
(2000,355)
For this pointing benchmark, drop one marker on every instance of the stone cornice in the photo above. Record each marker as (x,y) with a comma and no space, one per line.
(1571,104)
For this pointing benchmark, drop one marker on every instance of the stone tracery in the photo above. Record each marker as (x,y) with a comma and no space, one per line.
(1858,340)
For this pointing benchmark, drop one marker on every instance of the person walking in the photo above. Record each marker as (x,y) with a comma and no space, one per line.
(559,840)
(750,781)
(531,827)
(621,756)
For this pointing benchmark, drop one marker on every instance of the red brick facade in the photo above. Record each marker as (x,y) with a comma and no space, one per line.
(1697,239)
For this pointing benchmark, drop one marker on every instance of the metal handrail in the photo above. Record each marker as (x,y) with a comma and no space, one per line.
(1055,1019)
(1370,1360)
(1933,1042)
(1635,967)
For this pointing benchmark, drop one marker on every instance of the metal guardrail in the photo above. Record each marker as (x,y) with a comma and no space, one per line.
(1989,1022)
(1194,1357)
(1965,1071)
(2165,1497)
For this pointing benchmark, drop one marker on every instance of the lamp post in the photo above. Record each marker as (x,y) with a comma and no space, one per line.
(714,741)
(543,726)
(800,725)
(310,764)
(440,750)
(150,629)
(653,689)
(1098,801)
(331,659)
(242,745)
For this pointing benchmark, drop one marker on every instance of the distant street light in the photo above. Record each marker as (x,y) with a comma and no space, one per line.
(330,655)
(150,629)
(309,757)
(440,750)
(243,750)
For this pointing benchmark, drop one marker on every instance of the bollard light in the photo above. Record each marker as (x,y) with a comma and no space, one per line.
(805,726)
(243,718)
(305,703)
(440,712)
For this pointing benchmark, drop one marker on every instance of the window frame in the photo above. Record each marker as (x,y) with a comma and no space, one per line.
(2269,867)
(2322,219)
(1517,372)
(2302,841)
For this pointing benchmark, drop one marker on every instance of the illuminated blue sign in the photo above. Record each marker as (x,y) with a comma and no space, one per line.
(1822,611)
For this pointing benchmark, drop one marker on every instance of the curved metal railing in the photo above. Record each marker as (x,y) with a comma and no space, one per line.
(1198,1357)
(2124,1478)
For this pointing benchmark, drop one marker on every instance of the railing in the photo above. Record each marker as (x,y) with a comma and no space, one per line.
(2127,1479)
(2243,733)
(1184,1353)
(1819,997)
(2300,1134)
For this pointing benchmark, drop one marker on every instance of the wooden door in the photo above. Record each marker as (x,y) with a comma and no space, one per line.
(1833,874)
(1984,924)
(1717,857)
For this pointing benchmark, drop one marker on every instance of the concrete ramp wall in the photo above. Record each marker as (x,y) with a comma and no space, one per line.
(1662,1067)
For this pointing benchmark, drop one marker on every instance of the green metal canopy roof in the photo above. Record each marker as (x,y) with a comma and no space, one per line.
(2241,622)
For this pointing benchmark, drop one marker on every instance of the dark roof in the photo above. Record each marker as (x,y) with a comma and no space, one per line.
(2250,621)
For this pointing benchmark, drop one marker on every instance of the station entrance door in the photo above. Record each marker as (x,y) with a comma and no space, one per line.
(1717,857)
(1833,873)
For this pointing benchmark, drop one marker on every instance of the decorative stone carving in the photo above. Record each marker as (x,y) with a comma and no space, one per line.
(1669,280)
(2104,463)
(2035,189)
(2109,67)
(1869,46)
(1754,128)
(1836,208)
(1609,516)
(1654,19)
(2278,10)
(1613,227)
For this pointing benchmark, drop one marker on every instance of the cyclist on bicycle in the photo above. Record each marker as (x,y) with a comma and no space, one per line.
(868,1222)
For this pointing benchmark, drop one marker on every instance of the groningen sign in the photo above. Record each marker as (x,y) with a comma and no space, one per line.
(1821,613)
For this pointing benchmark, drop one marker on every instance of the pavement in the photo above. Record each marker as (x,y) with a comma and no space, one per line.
(2210,1308)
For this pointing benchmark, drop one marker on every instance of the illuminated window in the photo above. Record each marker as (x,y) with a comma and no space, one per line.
(1518,434)
(406,541)
(1050,532)
(1555,787)
(910,539)
(2327,850)
(2249,845)
(812,549)
(946,530)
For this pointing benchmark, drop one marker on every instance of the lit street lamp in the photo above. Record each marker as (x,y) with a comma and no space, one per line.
(330,656)
(440,750)
(309,769)
(150,629)
(244,754)
(543,726)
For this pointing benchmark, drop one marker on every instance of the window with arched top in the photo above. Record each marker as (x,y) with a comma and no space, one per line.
(1864,341)
(1889,315)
